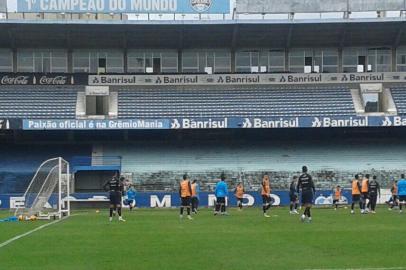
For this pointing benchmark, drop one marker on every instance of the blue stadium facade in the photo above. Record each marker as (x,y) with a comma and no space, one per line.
(156,99)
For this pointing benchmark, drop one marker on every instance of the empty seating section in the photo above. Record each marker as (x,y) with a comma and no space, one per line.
(160,166)
(248,102)
(49,102)
(399,96)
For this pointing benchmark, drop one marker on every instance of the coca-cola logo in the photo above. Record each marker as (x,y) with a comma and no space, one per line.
(14,80)
(53,80)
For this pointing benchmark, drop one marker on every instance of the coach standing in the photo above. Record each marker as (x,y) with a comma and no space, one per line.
(306,184)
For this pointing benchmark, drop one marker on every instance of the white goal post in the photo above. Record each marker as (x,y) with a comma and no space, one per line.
(51,181)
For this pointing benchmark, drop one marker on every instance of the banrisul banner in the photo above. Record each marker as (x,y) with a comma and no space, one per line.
(125,6)
(248,79)
(215,123)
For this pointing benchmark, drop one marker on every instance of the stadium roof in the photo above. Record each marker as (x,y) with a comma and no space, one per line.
(203,34)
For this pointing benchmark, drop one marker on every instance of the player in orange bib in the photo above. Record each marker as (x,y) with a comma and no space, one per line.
(239,194)
(365,193)
(356,193)
(185,193)
(266,194)
(337,196)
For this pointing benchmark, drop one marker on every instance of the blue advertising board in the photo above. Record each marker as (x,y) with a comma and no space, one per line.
(125,6)
(217,123)
(171,199)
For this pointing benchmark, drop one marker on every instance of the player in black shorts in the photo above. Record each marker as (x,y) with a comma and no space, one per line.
(306,184)
(374,192)
(115,188)
(293,196)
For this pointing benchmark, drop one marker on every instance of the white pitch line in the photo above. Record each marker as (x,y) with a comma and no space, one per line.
(369,268)
(29,232)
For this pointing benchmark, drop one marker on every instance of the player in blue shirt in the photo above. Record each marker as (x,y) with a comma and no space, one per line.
(130,200)
(221,192)
(402,192)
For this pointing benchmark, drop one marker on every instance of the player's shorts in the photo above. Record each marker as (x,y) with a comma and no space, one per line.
(365,195)
(240,200)
(115,197)
(266,199)
(395,197)
(221,200)
(335,201)
(128,202)
(293,197)
(402,198)
(356,197)
(185,201)
(307,197)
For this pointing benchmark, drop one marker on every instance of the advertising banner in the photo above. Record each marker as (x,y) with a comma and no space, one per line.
(125,6)
(207,199)
(211,123)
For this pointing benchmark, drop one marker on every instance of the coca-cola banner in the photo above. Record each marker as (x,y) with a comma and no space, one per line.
(37,79)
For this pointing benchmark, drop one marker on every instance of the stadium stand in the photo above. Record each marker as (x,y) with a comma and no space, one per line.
(19,162)
(152,165)
(399,96)
(35,101)
(235,102)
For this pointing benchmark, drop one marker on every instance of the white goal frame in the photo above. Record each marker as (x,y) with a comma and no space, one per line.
(63,191)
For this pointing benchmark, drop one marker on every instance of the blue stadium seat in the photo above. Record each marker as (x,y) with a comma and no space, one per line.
(399,96)
(49,102)
(248,102)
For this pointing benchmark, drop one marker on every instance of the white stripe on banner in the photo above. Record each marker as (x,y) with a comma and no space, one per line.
(29,232)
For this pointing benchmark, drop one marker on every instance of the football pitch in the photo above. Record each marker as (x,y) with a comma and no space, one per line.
(158,239)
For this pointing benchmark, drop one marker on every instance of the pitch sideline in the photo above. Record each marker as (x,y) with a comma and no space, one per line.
(30,232)
(368,268)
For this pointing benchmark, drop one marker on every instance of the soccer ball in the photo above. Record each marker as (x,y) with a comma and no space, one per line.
(21,218)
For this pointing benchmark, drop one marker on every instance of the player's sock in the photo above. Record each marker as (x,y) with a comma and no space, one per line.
(360,205)
(400,206)
(111,212)
(352,206)
(306,212)
(119,211)
(264,208)
(291,207)
(217,207)
(188,211)
(296,205)
(309,213)
(181,210)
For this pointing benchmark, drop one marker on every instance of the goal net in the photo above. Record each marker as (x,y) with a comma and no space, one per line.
(49,190)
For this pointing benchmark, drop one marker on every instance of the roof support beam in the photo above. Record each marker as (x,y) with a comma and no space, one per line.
(180,39)
(342,36)
(289,36)
(236,31)
(398,37)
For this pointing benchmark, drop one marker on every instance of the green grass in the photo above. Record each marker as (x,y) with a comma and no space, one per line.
(157,239)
